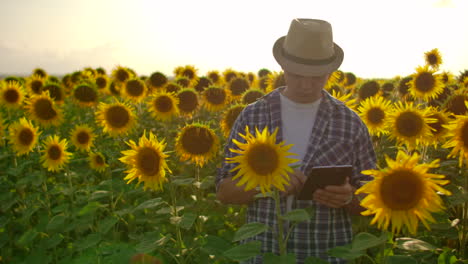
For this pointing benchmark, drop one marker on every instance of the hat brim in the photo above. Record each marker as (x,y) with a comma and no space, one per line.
(307,69)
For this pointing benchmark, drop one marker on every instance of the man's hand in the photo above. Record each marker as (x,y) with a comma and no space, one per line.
(296,181)
(335,196)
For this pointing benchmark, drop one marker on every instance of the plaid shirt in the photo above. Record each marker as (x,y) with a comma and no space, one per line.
(338,137)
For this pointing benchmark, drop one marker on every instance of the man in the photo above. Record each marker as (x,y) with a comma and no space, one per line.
(324,132)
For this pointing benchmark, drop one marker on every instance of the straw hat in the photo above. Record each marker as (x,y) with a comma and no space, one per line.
(308,49)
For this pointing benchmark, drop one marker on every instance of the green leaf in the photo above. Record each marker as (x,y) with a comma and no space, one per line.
(56,223)
(346,252)
(270,258)
(249,230)
(99,195)
(183,181)
(27,238)
(401,259)
(363,241)
(150,242)
(314,260)
(168,210)
(54,240)
(90,241)
(215,245)
(244,252)
(413,244)
(187,220)
(149,204)
(207,182)
(297,215)
(107,224)
(90,208)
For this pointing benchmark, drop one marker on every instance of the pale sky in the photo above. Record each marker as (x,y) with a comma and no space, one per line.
(380,38)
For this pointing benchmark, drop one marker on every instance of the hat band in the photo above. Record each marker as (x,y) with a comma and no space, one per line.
(307,61)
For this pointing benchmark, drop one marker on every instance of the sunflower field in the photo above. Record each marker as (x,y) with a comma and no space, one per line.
(116,167)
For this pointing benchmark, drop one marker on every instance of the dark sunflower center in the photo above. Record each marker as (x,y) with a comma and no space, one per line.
(26,137)
(122,75)
(239,86)
(11,96)
(85,94)
(403,85)
(182,81)
(202,83)
(55,92)
(101,82)
(262,159)
(83,137)
(409,124)
(135,88)
(172,88)
(117,116)
(375,115)
(158,79)
(216,96)
(437,126)
(36,86)
(148,161)
(232,115)
(197,140)
(54,152)
(163,104)
(368,89)
(44,109)
(424,82)
(251,97)
(230,76)
(464,135)
(99,160)
(214,77)
(457,106)
(188,101)
(401,190)
(188,73)
(432,59)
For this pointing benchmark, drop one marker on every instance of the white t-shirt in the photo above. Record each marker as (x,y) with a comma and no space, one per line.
(297,123)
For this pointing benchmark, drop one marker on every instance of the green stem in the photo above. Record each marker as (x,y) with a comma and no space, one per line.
(371,259)
(281,241)
(180,243)
(464,231)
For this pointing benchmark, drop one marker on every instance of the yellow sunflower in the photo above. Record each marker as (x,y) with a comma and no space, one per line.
(229,117)
(55,90)
(433,58)
(55,155)
(97,161)
(172,87)
(409,125)
(275,80)
(34,84)
(40,72)
(86,94)
(134,89)
(456,103)
(12,94)
(146,161)
(188,101)
(347,99)
(189,71)
(202,83)
(44,110)
(214,76)
(82,137)
(438,130)
(163,106)
(157,80)
(102,82)
(229,74)
(368,89)
(251,96)
(215,98)
(121,74)
(425,84)
(116,118)
(2,131)
(197,143)
(183,81)
(23,135)
(261,161)
(403,194)
(458,129)
(374,112)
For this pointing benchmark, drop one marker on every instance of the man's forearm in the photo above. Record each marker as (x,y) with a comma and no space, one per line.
(229,193)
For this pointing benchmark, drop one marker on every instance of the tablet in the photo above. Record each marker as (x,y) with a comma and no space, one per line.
(322,176)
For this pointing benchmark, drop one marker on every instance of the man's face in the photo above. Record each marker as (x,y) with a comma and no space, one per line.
(305,85)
